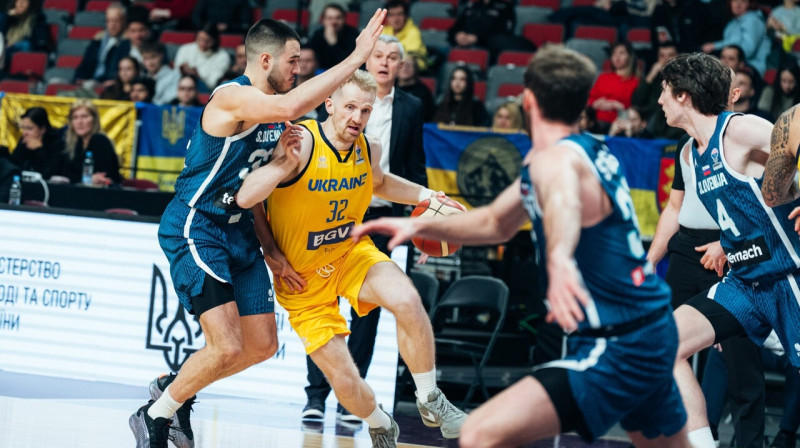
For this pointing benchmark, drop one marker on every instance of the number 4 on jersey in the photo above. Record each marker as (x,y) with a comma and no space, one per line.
(724,220)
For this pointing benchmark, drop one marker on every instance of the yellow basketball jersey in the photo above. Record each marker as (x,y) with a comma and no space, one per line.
(312,215)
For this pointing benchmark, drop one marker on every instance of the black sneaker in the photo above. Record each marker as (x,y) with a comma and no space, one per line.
(149,432)
(343,415)
(314,410)
(180,431)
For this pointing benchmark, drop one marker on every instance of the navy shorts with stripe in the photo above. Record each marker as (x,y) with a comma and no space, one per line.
(626,379)
(764,306)
(228,252)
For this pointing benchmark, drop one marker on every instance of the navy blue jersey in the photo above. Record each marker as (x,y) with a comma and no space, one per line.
(216,166)
(610,255)
(759,241)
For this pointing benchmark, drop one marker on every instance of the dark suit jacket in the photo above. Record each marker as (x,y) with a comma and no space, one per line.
(91,58)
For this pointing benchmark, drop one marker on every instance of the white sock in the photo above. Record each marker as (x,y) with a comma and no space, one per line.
(426,383)
(702,438)
(164,407)
(379,419)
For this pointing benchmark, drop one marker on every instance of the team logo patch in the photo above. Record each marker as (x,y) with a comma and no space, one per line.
(359,155)
(329,236)
(322,162)
(715,158)
(225,200)
(748,252)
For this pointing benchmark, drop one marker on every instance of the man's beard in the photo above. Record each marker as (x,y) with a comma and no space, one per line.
(276,83)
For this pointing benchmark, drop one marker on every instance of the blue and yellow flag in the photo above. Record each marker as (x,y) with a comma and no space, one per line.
(163,138)
(117,120)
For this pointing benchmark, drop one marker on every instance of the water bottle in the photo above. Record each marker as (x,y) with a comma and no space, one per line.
(88,169)
(15,192)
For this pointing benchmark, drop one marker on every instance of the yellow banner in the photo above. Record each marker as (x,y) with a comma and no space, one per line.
(117,120)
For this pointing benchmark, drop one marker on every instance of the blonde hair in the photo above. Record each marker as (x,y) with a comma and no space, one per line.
(515,113)
(363,80)
(71,137)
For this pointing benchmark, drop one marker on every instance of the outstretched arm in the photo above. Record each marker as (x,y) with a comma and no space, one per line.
(779,173)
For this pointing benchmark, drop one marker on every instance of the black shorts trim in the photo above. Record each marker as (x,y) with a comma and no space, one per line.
(214,294)
(724,322)
(556,382)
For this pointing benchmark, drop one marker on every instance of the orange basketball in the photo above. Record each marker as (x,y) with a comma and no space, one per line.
(431,208)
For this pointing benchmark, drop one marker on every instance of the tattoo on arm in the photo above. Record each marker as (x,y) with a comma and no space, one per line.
(780,169)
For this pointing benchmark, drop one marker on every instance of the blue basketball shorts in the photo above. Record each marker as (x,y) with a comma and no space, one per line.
(197,246)
(626,379)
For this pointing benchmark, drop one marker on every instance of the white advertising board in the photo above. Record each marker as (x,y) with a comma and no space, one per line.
(91,298)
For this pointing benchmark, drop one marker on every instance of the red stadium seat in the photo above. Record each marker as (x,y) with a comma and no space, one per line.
(69,61)
(290,16)
(541,33)
(83,32)
(55,30)
(509,90)
(550,4)
(477,57)
(230,40)
(640,35)
(203,98)
(770,75)
(257,14)
(583,3)
(65,5)
(54,89)
(97,5)
(352,19)
(12,86)
(480,90)
(429,81)
(30,64)
(452,3)
(606,33)
(516,58)
(437,23)
(176,37)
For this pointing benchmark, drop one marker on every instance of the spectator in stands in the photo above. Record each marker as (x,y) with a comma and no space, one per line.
(239,60)
(629,123)
(488,24)
(785,21)
(99,63)
(783,93)
(228,16)
(40,147)
(173,13)
(187,92)
(459,105)
(620,14)
(688,23)
(399,25)
(408,81)
(142,90)
(733,56)
(203,58)
(748,99)
(84,134)
(748,30)
(612,92)
(128,69)
(24,28)
(588,121)
(307,65)
(645,97)
(335,40)
(508,117)
(165,78)
(137,32)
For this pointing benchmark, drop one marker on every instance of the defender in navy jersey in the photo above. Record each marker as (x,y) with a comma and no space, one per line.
(600,288)
(760,291)
(214,245)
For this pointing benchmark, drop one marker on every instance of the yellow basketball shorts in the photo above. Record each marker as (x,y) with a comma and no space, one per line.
(314,313)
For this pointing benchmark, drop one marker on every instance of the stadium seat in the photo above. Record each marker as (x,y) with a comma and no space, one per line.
(83,32)
(257,14)
(549,4)
(290,16)
(640,38)
(97,5)
(516,58)
(203,98)
(90,18)
(530,14)
(30,64)
(477,57)
(429,81)
(770,75)
(606,33)
(480,90)
(367,9)
(503,74)
(55,88)
(453,3)
(541,33)
(510,89)
(55,32)
(583,2)
(437,23)
(69,61)
(12,86)
(352,18)
(69,6)
(421,10)
(176,37)
(230,40)
(596,50)
(436,39)
(72,47)
(59,75)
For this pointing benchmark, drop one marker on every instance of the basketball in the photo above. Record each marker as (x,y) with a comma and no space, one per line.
(432,208)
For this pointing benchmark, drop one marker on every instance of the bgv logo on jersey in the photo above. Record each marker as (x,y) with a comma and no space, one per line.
(329,236)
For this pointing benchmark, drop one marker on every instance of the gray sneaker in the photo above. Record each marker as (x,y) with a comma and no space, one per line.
(438,412)
(180,430)
(149,432)
(385,438)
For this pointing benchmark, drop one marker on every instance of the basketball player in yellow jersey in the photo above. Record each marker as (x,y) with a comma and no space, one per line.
(780,171)
(312,212)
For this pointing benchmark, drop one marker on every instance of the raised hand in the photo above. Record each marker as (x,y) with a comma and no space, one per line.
(369,35)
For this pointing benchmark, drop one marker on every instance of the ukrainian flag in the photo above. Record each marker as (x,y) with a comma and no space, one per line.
(163,137)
